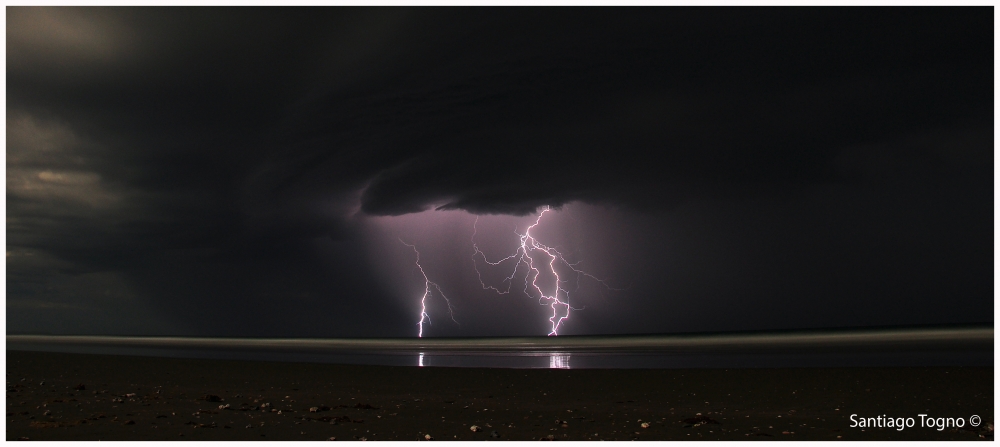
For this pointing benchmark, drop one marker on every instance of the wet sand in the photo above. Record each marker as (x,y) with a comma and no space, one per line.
(53,396)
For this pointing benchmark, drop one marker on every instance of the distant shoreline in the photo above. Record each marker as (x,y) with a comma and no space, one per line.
(941,346)
(969,337)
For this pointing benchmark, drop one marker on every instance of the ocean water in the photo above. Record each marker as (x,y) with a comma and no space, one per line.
(937,346)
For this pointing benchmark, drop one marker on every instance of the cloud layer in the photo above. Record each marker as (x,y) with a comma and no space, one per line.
(209,161)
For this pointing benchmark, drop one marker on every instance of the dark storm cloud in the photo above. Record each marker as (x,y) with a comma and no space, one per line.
(215,158)
(574,105)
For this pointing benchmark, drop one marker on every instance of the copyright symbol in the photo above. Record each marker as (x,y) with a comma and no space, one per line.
(974,421)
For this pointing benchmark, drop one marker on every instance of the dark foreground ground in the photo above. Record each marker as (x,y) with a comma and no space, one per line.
(54,396)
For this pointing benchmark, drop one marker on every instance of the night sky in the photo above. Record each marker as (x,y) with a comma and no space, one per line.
(252,171)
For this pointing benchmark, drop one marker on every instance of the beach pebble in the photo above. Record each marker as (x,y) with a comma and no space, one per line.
(645,425)
(223,407)
(313,409)
(265,405)
(130,395)
(475,428)
(332,438)
(428,437)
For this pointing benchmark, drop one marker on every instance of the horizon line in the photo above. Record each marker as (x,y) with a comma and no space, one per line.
(967,336)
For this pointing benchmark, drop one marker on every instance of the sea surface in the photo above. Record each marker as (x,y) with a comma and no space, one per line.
(934,346)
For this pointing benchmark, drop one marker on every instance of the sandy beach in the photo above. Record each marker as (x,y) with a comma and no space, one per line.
(54,396)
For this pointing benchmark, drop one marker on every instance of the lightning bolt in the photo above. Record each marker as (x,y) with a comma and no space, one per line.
(423,299)
(527,251)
